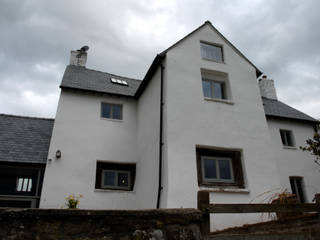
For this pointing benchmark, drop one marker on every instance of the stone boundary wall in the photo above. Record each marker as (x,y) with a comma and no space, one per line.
(65,224)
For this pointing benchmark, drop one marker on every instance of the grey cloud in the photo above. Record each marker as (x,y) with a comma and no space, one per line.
(280,37)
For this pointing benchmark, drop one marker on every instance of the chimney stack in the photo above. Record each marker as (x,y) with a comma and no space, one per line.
(79,57)
(267,88)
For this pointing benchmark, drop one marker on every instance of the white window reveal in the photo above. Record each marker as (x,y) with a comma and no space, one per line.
(211,52)
(24,184)
(111,111)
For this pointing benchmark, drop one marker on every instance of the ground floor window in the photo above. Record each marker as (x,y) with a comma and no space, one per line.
(297,188)
(217,167)
(110,175)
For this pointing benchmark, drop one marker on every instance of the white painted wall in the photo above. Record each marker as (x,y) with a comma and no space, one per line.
(191,120)
(83,138)
(293,161)
(148,143)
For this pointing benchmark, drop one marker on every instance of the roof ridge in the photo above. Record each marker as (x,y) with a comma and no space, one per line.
(28,117)
(135,79)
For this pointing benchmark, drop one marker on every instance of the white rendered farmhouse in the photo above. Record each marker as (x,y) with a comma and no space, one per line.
(199,120)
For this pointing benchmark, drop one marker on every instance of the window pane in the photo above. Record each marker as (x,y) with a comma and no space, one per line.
(211,52)
(116,112)
(283,138)
(105,111)
(210,170)
(109,178)
(218,90)
(289,138)
(225,169)
(123,179)
(206,86)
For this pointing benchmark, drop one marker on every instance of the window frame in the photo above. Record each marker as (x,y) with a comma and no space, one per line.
(218,179)
(301,196)
(111,111)
(116,186)
(214,45)
(119,167)
(212,82)
(236,157)
(285,142)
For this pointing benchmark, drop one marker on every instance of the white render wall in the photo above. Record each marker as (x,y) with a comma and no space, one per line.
(293,161)
(83,137)
(191,120)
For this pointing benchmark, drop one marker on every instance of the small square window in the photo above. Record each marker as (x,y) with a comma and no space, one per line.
(287,138)
(211,52)
(115,176)
(111,111)
(219,168)
(213,89)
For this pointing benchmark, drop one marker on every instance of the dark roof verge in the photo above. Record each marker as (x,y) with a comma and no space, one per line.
(24,139)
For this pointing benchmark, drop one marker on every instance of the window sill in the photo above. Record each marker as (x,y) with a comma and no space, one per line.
(111,119)
(114,190)
(288,147)
(219,100)
(225,190)
(211,60)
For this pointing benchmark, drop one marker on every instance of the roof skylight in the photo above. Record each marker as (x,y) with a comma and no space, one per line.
(118,81)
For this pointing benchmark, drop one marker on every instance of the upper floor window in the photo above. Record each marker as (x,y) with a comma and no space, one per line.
(112,111)
(213,89)
(287,138)
(211,52)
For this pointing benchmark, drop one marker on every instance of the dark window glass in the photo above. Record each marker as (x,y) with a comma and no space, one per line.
(225,169)
(109,178)
(116,111)
(287,138)
(210,170)
(297,188)
(106,110)
(123,179)
(218,90)
(206,86)
(112,111)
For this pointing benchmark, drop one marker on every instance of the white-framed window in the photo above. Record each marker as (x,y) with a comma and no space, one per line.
(115,179)
(212,52)
(217,169)
(287,138)
(111,111)
(213,89)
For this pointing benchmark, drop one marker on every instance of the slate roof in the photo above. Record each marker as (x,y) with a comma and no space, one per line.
(275,108)
(24,139)
(77,77)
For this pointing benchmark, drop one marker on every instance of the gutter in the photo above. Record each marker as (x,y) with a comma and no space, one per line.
(160,137)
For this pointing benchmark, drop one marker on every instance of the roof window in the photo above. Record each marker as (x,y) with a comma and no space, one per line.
(118,81)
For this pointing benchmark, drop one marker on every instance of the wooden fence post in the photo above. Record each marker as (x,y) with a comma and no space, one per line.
(203,199)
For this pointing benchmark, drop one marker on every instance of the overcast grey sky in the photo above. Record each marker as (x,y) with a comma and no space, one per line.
(280,37)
